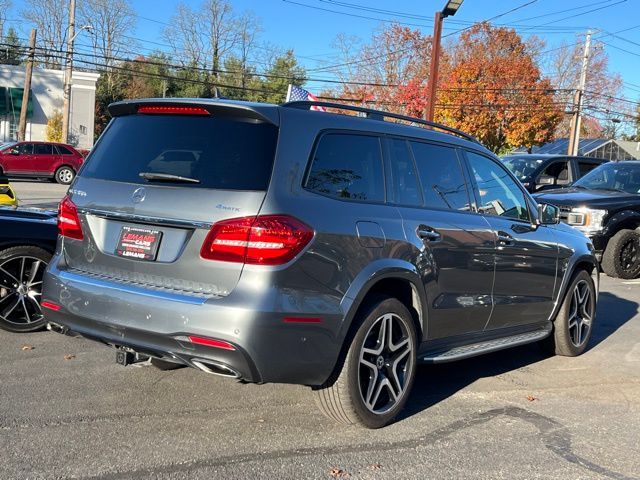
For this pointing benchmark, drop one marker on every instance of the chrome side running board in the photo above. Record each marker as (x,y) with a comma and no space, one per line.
(467,351)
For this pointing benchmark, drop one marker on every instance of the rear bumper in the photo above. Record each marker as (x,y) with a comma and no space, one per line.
(267,348)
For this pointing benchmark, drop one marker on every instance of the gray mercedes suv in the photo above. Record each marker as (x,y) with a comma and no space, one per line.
(334,250)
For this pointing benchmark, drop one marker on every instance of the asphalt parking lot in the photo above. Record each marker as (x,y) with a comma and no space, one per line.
(38,193)
(68,411)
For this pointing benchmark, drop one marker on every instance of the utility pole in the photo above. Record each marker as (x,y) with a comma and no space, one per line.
(22,123)
(576,119)
(66,108)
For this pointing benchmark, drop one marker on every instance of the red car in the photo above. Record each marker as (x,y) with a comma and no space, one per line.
(56,161)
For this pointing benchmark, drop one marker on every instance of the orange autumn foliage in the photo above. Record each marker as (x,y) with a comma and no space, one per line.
(491,87)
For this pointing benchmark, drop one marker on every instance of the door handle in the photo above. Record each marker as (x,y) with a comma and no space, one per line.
(504,239)
(428,233)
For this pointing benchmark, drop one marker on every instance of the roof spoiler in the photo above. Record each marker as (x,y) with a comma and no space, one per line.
(227,108)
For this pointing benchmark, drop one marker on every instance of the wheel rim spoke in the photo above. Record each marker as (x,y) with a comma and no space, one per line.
(8,275)
(581,313)
(35,266)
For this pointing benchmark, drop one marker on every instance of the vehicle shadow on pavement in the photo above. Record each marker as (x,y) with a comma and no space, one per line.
(435,383)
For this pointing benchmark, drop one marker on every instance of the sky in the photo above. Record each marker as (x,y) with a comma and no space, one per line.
(309,27)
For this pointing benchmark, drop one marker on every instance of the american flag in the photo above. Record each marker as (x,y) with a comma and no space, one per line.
(297,94)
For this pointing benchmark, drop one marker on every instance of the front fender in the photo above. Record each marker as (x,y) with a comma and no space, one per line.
(372,274)
(572,263)
(619,219)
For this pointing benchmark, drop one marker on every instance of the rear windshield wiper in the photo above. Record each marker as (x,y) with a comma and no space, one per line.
(167,177)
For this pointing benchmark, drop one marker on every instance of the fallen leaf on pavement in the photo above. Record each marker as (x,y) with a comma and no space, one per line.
(69,357)
(338,473)
(27,347)
(376,466)
(531,398)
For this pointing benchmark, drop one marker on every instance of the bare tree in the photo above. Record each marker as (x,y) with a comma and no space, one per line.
(5,6)
(50,18)
(603,93)
(204,36)
(185,37)
(248,30)
(110,21)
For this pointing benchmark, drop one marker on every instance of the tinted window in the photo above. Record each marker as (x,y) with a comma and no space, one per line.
(347,166)
(63,150)
(23,149)
(405,182)
(443,183)
(586,167)
(559,171)
(497,192)
(42,149)
(219,152)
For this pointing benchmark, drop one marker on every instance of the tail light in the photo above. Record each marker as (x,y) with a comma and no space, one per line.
(261,240)
(68,220)
(171,110)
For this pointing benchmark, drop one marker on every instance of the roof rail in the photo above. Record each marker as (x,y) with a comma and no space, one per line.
(380,115)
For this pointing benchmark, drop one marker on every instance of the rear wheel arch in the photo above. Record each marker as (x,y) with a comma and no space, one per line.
(404,284)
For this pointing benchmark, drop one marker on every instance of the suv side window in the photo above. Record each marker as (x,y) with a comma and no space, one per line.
(559,171)
(498,194)
(42,149)
(585,167)
(23,149)
(440,173)
(406,189)
(63,150)
(348,166)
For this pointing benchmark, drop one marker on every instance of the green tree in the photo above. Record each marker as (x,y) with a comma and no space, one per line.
(284,70)
(11,51)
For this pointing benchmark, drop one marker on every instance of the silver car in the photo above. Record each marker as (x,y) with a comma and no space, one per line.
(280,244)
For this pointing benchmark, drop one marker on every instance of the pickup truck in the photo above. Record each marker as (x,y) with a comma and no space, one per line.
(605,206)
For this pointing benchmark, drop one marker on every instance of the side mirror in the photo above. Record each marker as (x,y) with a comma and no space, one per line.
(548,214)
(546,180)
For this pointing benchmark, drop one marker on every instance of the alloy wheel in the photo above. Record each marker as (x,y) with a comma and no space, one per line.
(65,175)
(21,289)
(629,255)
(580,313)
(386,362)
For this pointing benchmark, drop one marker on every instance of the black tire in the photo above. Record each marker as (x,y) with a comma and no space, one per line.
(64,175)
(573,325)
(165,365)
(621,258)
(21,288)
(342,397)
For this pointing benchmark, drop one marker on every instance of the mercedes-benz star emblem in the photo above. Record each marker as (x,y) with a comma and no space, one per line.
(138,195)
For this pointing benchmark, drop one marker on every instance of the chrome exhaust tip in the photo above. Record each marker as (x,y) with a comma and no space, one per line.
(56,327)
(215,368)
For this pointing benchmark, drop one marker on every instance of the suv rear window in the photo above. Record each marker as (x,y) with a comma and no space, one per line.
(222,153)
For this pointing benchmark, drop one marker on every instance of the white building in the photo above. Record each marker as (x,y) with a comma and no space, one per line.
(46,98)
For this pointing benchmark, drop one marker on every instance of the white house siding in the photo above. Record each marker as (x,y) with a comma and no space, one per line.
(47,90)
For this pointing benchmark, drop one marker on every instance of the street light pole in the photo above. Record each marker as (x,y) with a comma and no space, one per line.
(449,10)
(433,69)
(66,107)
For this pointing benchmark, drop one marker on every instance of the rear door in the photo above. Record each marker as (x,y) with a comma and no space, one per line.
(526,254)
(43,159)
(454,247)
(225,161)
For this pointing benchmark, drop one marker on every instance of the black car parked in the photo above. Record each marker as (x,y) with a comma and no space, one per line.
(543,172)
(605,205)
(27,241)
